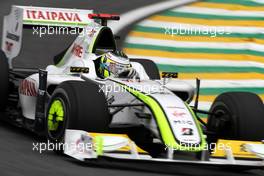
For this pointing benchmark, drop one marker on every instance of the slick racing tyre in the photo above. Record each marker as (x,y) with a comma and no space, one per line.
(4,80)
(237,116)
(149,66)
(76,105)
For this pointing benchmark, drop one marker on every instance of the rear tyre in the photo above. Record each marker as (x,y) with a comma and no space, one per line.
(4,80)
(76,105)
(149,66)
(238,116)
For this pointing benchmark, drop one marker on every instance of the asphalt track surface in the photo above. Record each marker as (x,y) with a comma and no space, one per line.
(17,156)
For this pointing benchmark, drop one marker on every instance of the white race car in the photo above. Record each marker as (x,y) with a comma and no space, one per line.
(144,118)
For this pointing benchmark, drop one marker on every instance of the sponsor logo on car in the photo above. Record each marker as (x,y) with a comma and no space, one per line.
(77,50)
(79,69)
(178,114)
(187,131)
(183,122)
(243,148)
(84,144)
(174,107)
(91,33)
(12,36)
(169,75)
(53,15)
(28,88)
(189,140)
(8,46)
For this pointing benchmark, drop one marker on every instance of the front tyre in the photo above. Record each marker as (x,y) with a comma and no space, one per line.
(237,116)
(76,105)
(4,80)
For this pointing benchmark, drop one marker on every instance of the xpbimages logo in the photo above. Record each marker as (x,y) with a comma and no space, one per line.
(117,88)
(180,30)
(81,147)
(41,31)
(210,147)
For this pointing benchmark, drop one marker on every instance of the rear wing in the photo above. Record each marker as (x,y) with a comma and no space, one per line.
(37,16)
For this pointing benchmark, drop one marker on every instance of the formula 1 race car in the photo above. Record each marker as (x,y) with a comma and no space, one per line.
(147,118)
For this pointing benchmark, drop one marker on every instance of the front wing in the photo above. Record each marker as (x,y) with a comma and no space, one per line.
(117,150)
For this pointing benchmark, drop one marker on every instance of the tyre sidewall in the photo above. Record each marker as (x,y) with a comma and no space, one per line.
(4,79)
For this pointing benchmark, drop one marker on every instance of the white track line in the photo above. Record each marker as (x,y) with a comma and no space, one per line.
(200,62)
(227,83)
(222,12)
(197,27)
(191,44)
(130,17)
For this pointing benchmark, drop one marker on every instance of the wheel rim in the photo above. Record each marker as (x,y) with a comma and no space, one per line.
(56,118)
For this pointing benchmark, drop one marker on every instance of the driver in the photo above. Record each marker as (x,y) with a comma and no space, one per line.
(115,64)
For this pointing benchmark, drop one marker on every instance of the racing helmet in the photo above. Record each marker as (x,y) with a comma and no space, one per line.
(114,64)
